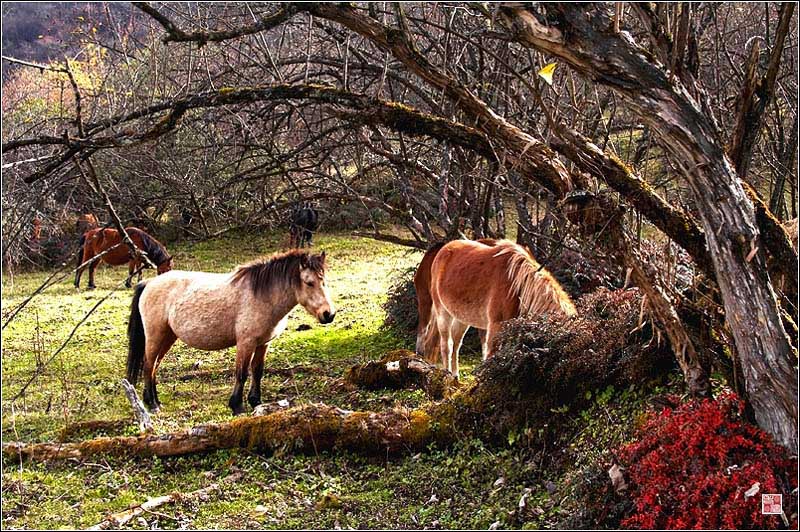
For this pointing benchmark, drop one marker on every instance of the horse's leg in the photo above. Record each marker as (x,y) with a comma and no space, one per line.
(257,371)
(92,268)
(457,332)
(244,353)
(82,257)
(443,323)
(131,269)
(154,342)
(167,341)
(488,338)
(133,265)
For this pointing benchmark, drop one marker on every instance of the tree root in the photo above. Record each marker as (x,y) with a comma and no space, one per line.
(402,369)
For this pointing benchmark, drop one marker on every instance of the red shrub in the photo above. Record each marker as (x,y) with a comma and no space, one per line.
(693,465)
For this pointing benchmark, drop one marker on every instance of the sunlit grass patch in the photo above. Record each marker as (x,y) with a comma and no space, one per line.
(79,390)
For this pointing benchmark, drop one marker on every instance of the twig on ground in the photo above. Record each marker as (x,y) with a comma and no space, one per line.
(117,520)
(141,413)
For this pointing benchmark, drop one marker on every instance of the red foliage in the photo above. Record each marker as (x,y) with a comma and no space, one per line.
(693,465)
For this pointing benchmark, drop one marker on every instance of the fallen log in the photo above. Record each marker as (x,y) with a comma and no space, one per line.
(402,369)
(119,519)
(307,428)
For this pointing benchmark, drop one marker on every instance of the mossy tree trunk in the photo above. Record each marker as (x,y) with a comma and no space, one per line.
(584,38)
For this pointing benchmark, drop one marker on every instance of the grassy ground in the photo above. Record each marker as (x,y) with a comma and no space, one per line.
(78,396)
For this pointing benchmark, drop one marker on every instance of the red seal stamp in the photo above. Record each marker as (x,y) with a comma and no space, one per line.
(771,504)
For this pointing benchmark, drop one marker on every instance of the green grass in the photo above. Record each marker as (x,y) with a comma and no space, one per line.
(449,488)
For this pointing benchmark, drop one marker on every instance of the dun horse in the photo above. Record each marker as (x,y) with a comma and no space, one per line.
(474,284)
(211,311)
(96,241)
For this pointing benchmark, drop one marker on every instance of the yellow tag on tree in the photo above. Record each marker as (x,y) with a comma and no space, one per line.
(547,73)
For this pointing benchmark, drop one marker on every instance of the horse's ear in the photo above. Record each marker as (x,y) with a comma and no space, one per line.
(304,261)
(322,256)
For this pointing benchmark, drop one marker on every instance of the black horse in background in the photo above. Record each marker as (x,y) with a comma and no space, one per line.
(303,223)
(187,218)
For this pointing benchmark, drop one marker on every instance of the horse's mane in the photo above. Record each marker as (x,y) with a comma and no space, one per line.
(537,289)
(155,250)
(281,268)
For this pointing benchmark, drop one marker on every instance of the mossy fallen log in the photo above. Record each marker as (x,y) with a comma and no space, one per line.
(402,369)
(308,428)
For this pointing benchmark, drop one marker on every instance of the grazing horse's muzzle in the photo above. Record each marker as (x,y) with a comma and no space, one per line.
(327,316)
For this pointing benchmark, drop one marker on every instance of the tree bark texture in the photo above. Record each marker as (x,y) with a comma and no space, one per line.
(582,36)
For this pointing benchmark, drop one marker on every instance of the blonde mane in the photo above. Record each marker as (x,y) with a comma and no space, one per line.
(538,291)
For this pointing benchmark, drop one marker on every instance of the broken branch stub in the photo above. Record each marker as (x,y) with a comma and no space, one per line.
(402,369)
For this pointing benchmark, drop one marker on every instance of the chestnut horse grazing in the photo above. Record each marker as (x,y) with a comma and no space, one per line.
(97,241)
(473,284)
(211,311)
(428,344)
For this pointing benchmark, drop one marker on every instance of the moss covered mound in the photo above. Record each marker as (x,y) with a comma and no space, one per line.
(552,364)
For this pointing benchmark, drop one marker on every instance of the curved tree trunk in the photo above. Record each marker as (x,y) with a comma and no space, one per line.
(584,38)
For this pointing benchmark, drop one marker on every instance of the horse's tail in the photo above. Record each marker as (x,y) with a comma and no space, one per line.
(136,338)
(81,246)
(422,287)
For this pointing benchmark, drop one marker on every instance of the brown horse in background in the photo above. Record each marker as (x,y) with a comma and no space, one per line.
(36,233)
(428,341)
(86,222)
(473,284)
(96,241)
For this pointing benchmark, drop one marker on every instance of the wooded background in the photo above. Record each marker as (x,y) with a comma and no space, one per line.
(666,142)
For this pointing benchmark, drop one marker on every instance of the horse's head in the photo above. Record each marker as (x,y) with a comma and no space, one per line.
(86,222)
(165,266)
(312,293)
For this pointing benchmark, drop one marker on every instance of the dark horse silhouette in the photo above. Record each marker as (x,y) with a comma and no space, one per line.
(304,222)
(187,218)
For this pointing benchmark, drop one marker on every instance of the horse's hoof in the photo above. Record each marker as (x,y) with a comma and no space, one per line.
(254,402)
(91,287)
(238,410)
